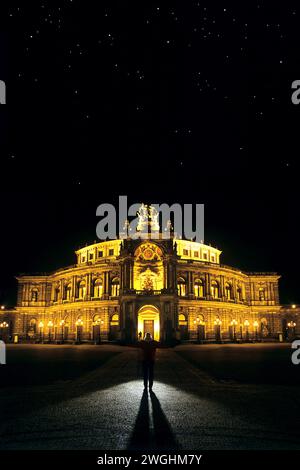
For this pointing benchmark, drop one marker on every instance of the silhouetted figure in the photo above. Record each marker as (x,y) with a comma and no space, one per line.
(148,346)
(140,336)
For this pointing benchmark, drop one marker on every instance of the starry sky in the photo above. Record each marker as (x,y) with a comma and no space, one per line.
(167,101)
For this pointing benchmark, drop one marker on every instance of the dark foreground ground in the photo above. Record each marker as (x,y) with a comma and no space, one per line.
(205,397)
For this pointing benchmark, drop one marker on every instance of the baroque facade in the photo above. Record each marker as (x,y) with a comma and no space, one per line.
(173,288)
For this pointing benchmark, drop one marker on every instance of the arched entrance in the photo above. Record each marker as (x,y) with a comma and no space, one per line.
(183,326)
(148,321)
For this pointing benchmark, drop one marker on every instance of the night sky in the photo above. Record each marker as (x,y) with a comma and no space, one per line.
(182,101)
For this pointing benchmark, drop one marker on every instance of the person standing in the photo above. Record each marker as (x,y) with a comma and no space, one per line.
(148,346)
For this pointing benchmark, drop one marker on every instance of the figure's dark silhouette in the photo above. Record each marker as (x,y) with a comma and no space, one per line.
(148,347)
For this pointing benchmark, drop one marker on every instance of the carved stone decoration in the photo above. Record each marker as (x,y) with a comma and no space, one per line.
(148,252)
(148,218)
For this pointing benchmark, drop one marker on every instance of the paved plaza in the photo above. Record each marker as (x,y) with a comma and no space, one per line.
(205,397)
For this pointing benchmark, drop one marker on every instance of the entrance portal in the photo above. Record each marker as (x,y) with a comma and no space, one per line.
(149,327)
(148,321)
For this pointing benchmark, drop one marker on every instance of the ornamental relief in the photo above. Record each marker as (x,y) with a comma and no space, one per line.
(148,252)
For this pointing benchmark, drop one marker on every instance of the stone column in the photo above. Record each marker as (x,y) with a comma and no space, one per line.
(165,268)
(169,275)
(88,286)
(252,296)
(131,275)
(234,291)
(174,277)
(61,290)
(222,287)
(73,292)
(190,284)
(27,292)
(121,276)
(53,291)
(106,283)
(126,275)
(207,285)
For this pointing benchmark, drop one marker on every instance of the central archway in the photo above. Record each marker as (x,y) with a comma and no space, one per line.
(149,321)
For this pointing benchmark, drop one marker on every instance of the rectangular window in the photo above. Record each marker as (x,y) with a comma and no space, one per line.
(213,258)
(205,255)
(111,252)
(185,252)
(83,259)
(91,256)
(196,254)
(100,254)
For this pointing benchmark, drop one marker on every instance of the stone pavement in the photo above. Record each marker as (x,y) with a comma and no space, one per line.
(107,409)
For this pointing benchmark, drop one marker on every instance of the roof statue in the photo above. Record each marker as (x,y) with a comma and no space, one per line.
(148,218)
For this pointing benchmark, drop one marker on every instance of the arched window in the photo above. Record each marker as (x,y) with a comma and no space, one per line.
(115,287)
(264,330)
(67,292)
(98,288)
(96,320)
(34,295)
(181,287)
(32,325)
(79,329)
(218,324)
(81,290)
(64,325)
(261,294)
(228,291)
(182,319)
(215,291)
(199,288)
(239,293)
(114,319)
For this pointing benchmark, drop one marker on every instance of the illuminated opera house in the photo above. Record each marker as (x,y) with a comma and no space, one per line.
(173,288)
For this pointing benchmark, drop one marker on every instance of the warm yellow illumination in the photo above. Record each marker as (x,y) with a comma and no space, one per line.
(182,319)
(114,319)
(98,251)
(148,319)
(246,323)
(41,324)
(2,307)
(50,324)
(233,322)
(148,271)
(293,306)
(197,251)
(255,324)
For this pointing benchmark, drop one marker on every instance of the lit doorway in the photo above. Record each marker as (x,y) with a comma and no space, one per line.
(149,327)
(148,321)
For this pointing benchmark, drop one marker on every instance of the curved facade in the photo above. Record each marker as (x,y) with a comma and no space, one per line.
(174,289)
